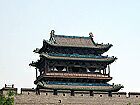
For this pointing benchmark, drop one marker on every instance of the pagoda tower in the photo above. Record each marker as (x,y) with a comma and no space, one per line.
(74,63)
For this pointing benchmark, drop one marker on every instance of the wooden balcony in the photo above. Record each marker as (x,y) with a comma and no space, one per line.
(75,75)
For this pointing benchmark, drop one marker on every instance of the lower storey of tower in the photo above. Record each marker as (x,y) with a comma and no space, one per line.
(59,82)
(75,86)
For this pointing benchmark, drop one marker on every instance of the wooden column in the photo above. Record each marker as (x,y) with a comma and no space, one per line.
(36,73)
(53,68)
(72,92)
(91,93)
(110,94)
(45,66)
(67,69)
(54,92)
(108,70)
(37,90)
(104,71)
(100,71)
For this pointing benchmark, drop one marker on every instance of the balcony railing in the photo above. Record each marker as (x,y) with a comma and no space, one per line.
(77,75)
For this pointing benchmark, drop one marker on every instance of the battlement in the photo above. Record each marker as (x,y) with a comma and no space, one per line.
(64,97)
(32,91)
(7,88)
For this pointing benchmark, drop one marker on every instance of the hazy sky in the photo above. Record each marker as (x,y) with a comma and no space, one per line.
(25,23)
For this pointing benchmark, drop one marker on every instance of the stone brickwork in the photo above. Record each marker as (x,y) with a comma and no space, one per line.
(46,97)
(28,96)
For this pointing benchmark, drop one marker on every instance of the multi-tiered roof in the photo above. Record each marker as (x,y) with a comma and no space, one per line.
(74,63)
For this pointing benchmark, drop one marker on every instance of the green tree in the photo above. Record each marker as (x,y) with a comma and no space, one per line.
(2,100)
(7,99)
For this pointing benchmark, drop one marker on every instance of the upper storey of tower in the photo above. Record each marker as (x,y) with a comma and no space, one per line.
(72,44)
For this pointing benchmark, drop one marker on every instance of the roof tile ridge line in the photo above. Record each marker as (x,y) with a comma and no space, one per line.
(68,36)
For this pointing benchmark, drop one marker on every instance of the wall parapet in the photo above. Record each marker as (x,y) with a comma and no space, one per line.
(28,91)
(7,88)
(63,97)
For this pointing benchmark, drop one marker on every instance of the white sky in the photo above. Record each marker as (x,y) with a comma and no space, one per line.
(25,23)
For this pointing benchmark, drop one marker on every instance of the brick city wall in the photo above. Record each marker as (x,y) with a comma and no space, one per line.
(46,97)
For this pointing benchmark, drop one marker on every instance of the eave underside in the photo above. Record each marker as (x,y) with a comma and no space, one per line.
(111,88)
(62,57)
(95,49)
(72,62)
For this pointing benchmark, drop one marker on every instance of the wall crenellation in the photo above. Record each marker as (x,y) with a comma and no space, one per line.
(28,96)
(80,98)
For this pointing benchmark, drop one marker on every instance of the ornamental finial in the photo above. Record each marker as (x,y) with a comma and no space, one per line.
(52,32)
(91,34)
(52,39)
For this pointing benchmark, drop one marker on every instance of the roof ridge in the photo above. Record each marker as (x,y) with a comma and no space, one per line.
(66,36)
